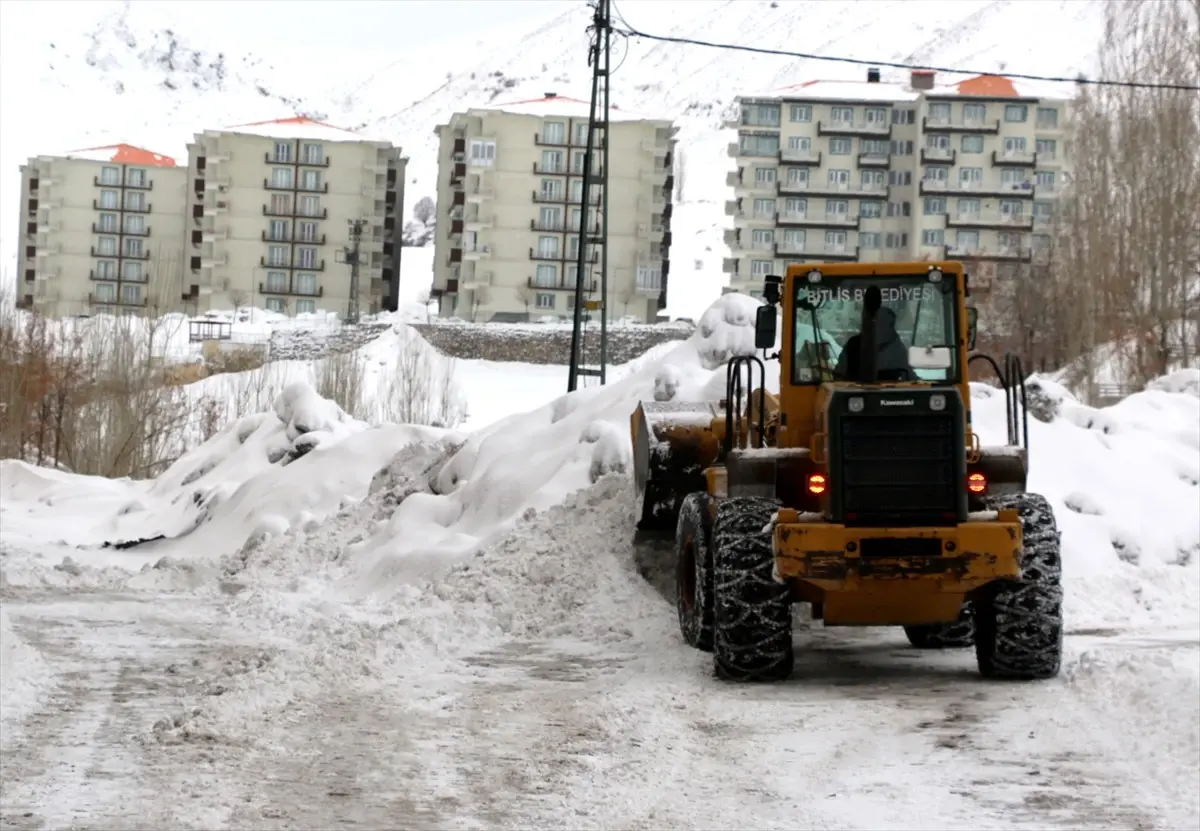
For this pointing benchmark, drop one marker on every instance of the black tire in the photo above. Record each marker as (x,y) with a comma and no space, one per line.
(752,612)
(693,571)
(1019,623)
(957,635)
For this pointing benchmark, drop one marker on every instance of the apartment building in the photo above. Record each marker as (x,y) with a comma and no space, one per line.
(101,232)
(271,214)
(510,192)
(870,171)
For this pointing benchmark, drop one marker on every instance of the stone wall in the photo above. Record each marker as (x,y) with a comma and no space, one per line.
(313,344)
(544,344)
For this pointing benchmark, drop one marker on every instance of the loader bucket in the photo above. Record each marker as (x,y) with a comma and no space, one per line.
(673,442)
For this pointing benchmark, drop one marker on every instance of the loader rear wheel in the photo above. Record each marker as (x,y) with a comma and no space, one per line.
(694,570)
(1019,623)
(957,635)
(752,612)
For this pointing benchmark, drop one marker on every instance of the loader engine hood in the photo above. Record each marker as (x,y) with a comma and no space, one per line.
(897,455)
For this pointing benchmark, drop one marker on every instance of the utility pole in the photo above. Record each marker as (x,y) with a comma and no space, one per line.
(598,60)
(351,255)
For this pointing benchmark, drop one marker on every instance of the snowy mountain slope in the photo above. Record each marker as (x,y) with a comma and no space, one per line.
(114,73)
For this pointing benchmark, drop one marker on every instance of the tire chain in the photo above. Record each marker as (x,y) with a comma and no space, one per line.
(697,629)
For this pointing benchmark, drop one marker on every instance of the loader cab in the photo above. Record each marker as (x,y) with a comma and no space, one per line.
(868,325)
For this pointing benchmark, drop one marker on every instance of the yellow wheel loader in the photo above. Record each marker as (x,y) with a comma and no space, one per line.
(860,488)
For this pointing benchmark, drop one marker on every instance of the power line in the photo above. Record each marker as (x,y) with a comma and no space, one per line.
(629,31)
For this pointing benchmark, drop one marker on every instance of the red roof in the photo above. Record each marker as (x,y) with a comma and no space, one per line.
(292,121)
(128,154)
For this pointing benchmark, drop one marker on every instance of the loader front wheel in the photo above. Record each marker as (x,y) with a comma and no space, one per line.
(957,635)
(694,570)
(1019,623)
(752,612)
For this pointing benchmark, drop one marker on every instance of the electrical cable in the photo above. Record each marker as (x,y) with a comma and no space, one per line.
(630,31)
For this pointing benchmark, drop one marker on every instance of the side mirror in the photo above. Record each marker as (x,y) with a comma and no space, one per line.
(764,327)
(972,323)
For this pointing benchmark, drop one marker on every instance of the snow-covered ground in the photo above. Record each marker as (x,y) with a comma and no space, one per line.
(417,627)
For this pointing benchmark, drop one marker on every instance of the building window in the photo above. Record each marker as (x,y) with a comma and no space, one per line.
(281,177)
(970,176)
(896,240)
(870,209)
(933,236)
(874,179)
(967,241)
(1012,178)
(108,222)
(901,147)
(1047,118)
(482,153)
(132,272)
(762,239)
(873,147)
(581,135)
(312,154)
(135,224)
(764,176)
(131,295)
(797,177)
(764,208)
(281,204)
(1044,179)
(106,247)
(843,116)
(835,241)
(895,177)
(551,190)
(106,269)
(795,238)
(837,209)
(310,180)
(544,300)
(554,132)
(795,207)
(1008,241)
(110,175)
(277,305)
(106,292)
(135,201)
(1015,113)
(974,113)
(283,151)
(277,281)
(277,255)
(750,145)
(135,177)
(133,247)
(803,143)
(1014,145)
(278,229)
(546,276)
(899,209)
(305,231)
(306,283)
(310,206)
(1013,208)
(760,115)
(939,113)
(552,161)
(761,268)
(839,178)
(968,208)
(840,146)
(868,240)
(1047,148)
(306,307)
(547,247)
(1043,211)
(108,199)
(307,258)
(904,116)
(877,116)
(971,144)
(935,205)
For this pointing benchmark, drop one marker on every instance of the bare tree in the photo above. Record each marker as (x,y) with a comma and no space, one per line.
(481,298)
(625,296)
(424,210)
(239,299)
(526,294)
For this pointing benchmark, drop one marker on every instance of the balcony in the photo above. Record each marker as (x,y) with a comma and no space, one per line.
(1014,158)
(271,158)
(733,207)
(874,159)
(479,252)
(547,256)
(649,281)
(845,190)
(105,277)
(931,187)
(997,254)
(946,125)
(116,300)
(817,251)
(264,289)
(145,184)
(729,265)
(561,284)
(114,255)
(212,261)
(97,228)
(1019,222)
(561,198)
(550,170)
(477,222)
(806,157)
(938,155)
(318,266)
(862,128)
(292,238)
(556,227)
(738,182)
(289,211)
(479,194)
(555,141)
(475,279)
(828,220)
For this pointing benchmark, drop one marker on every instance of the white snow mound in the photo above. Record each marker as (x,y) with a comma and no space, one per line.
(24,677)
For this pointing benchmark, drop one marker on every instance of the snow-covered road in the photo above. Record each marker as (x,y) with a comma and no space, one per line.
(566,733)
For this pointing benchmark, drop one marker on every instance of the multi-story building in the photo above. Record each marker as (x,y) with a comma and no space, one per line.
(510,191)
(101,232)
(272,211)
(869,171)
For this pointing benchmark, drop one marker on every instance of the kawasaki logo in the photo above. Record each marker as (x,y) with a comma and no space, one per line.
(897,402)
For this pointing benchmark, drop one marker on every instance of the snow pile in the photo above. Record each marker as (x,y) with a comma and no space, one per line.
(24,676)
(257,477)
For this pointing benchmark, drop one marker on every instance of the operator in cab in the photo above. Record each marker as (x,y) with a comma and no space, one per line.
(892,362)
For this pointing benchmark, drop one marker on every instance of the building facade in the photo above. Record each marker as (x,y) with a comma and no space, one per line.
(267,215)
(101,232)
(510,187)
(871,171)
(272,212)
